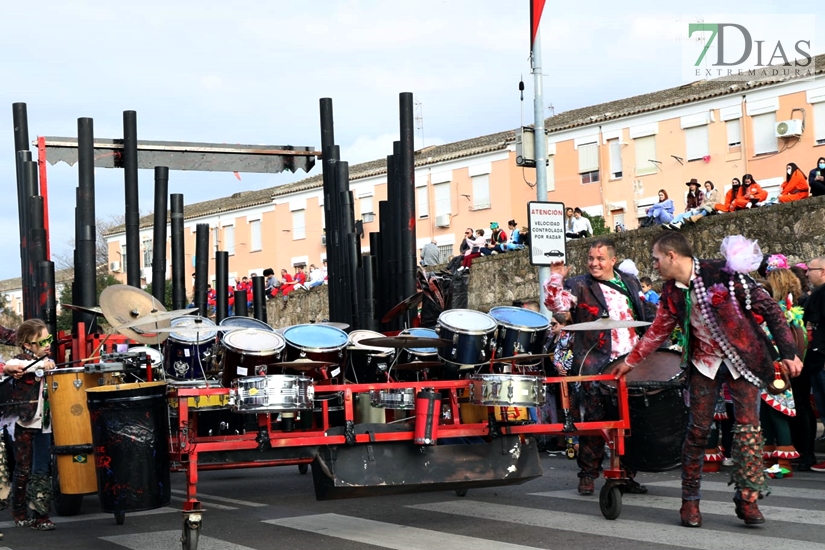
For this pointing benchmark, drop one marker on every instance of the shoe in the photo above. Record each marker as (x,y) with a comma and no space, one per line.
(667,226)
(586,486)
(818,467)
(42,524)
(634,487)
(689,513)
(748,511)
(727,462)
(676,225)
(23,522)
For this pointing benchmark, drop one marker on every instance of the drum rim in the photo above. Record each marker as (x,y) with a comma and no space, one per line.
(356,346)
(150,349)
(523,328)
(268,376)
(197,341)
(256,353)
(315,350)
(67,370)
(472,332)
(256,322)
(491,375)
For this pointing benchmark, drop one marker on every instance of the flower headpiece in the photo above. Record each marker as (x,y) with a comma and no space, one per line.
(628,267)
(743,255)
(777,261)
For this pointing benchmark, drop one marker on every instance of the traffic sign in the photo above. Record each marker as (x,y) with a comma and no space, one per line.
(547,240)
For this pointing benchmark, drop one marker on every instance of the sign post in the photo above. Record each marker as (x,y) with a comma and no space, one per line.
(547,240)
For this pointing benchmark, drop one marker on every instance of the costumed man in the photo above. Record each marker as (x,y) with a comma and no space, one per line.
(720,310)
(602,292)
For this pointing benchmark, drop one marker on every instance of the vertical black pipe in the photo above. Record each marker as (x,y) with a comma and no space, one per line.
(334,242)
(405,170)
(240,303)
(178,253)
(37,252)
(159,234)
(85,268)
(347,254)
(201,266)
(221,285)
(384,272)
(86,282)
(366,290)
(29,282)
(327,125)
(20,119)
(375,263)
(47,304)
(259,298)
(130,176)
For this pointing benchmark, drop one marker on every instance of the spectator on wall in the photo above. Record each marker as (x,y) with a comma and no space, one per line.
(816,178)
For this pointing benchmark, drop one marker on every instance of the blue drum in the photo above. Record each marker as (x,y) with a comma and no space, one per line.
(472,336)
(318,343)
(188,354)
(409,355)
(519,331)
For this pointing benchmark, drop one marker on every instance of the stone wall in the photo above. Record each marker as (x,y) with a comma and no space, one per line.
(796,230)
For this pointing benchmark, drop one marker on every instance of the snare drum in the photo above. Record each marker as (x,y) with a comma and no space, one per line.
(367,363)
(396,399)
(519,331)
(248,352)
(277,392)
(512,390)
(472,334)
(317,343)
(188,355)
(658,414)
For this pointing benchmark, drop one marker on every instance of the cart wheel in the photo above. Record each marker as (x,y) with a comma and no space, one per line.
(303,469)
(610,501)
(191,533)
(461,492)
(64,505)
(120,517)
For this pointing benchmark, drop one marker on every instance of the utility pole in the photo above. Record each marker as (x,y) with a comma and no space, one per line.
(540,149)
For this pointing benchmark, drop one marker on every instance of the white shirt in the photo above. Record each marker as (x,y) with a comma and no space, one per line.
(581,224)
(316,275)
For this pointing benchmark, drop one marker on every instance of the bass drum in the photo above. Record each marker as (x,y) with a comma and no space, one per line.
(658,414)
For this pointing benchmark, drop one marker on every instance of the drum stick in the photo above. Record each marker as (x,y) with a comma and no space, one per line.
(26,370)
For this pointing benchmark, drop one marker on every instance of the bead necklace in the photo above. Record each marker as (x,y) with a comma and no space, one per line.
(717,333)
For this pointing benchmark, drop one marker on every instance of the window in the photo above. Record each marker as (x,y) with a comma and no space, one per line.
(423,202)
(147,253)
(615,158)
(481,191)
(444,253)
(589,162)
(443,202)
(229,239)
(764,138)
(255,235)
(697,142)
(819,123)
(734,130)
(299,225)
(365,204)
(645,155)
(123,257)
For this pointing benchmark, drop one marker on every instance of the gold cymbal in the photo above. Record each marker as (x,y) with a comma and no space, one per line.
(126,307)
(93,310)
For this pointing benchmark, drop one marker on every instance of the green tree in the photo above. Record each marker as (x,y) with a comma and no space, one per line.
(598,223)
(64,320)
(167,296)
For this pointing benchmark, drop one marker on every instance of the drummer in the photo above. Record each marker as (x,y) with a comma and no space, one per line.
(602,292)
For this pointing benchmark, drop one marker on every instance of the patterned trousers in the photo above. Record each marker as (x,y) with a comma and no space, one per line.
(748,476)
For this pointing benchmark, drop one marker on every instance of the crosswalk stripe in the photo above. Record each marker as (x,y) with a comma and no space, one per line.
(388,535)
(97,516)
(771,513)
(207,505)
(223,499)
(163,540)
(814,494)
(638,531)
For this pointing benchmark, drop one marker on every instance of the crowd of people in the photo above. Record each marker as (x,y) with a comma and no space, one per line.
(476,243)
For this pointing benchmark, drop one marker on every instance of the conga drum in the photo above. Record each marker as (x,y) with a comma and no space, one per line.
(658,414)
(72,429)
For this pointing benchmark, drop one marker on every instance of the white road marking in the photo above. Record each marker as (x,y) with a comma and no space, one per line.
(164,540)
(814,494)
(94,517)
(223,499)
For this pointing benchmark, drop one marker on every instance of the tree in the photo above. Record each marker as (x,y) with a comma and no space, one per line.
(167,297)
(65,260)
(598,224)
(64,320)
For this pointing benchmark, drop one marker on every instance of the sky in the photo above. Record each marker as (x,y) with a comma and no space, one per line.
(253,72)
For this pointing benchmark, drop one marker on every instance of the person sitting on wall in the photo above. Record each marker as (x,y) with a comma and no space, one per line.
(498,239)
(515,240)
(580,226)
(316,277)
(733,194)
(662,211)
(752,194)
(795,187)
(695,206)
(816,178)
(475,245)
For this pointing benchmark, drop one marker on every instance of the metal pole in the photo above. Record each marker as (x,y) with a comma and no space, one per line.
(259,298)
(221,285)
(86,240)
(130,177)
(541,151)
(201,266)
(159,234)
(178,253)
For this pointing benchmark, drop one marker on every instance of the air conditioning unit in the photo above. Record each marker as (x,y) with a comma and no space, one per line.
(442,221)
(789,128)
(114,267)
(323,240)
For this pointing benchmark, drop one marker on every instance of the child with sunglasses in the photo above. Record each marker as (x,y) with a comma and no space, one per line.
(31,485)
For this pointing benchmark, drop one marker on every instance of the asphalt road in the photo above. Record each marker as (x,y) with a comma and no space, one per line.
(267,508)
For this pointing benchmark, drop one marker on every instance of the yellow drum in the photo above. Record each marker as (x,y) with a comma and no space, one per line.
(474,414)
(72,428)
(200,402)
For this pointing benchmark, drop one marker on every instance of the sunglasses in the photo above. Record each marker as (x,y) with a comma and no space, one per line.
(554,324)
(44,342)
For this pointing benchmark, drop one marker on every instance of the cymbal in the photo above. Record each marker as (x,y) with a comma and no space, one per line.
(418,365)
(410,342)
(196,330)
(93,310)
(123,304)
(605,323)
(302,365)
(407,304)
(522,358)
(158,317)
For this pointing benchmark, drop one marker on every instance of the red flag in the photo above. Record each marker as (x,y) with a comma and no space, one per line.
(536,7)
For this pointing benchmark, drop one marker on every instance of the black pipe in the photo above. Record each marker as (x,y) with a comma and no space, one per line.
(20,119)
(201,266)
(331,218)
(383,265)
(37,252)
(240,300)
(29,282)
(221,284)
(85,241)
(178,253)
(259,298)
(48,307)
(406,186)
(130,177)
(86,283)
(374,260)
(159,234)
(327,126)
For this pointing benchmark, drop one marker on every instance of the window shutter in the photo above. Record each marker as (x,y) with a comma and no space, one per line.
(588,158)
